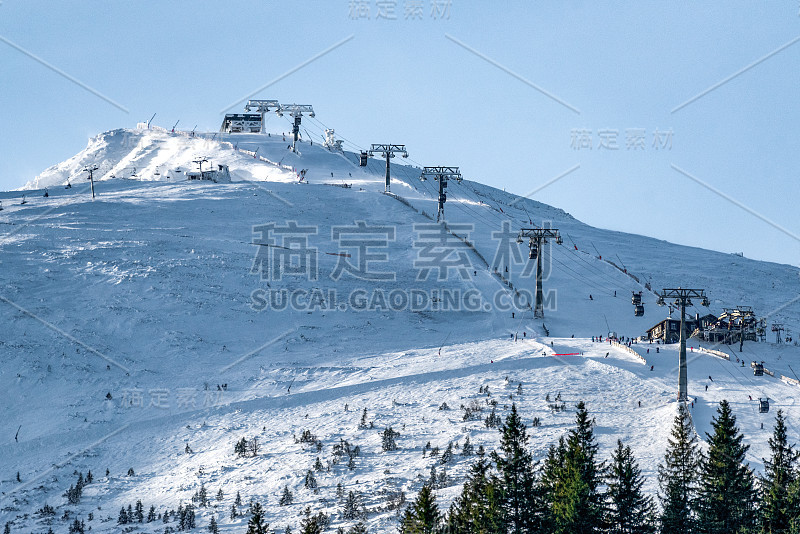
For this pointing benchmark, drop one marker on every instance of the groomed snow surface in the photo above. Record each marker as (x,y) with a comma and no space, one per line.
(146,294)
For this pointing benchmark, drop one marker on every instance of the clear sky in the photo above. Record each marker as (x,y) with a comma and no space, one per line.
(700,99)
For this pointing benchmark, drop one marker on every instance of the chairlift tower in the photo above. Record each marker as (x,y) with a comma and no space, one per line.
(536,238)
(263,107)
(441,175)
(296,111)
(778,328)
(683,298)
(388,153)
(90,169)
(200,160)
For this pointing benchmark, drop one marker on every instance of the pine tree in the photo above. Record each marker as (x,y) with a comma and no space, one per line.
(388,439)
(447,455)
(678,477)
(358,528)
(287,497)
(726,497)
(151,514)
(123,517)
(468,449)
(422,516)
(778,500)
(240,448)
(577,504)
(477,509)
(550,482)
(234,515)
(308,525)
(629,511)
(520,507)
(238,501)
(7,528)
(257,525)
(313,524)
(190,517)
(202,495)
(138,514)
(212,526)
(363,423)
(77,527)
(352,506)
(310,480)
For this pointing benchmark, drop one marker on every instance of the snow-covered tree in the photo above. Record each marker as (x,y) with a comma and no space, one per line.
(286,498)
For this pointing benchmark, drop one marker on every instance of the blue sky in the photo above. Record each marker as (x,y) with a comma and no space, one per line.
(512,92)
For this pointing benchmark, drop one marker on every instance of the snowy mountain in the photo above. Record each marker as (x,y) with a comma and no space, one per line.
(154,327)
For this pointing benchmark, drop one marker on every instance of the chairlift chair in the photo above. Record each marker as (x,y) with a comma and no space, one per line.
(638,310)
(763,405)
(758,369)
(534,251)
(636,299)
(362,162)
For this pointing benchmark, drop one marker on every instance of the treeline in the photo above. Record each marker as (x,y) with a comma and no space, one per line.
(574,491)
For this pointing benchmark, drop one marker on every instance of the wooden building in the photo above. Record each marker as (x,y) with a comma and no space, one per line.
(668,330)
(732,326)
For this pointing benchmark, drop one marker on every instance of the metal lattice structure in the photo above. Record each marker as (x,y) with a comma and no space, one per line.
(263,107)
(441,175)
(296,111)
(778,328)
(90,169)
(683,298)
(537,237)
(388,152)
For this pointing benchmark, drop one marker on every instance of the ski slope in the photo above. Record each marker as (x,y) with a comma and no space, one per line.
(147,294)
